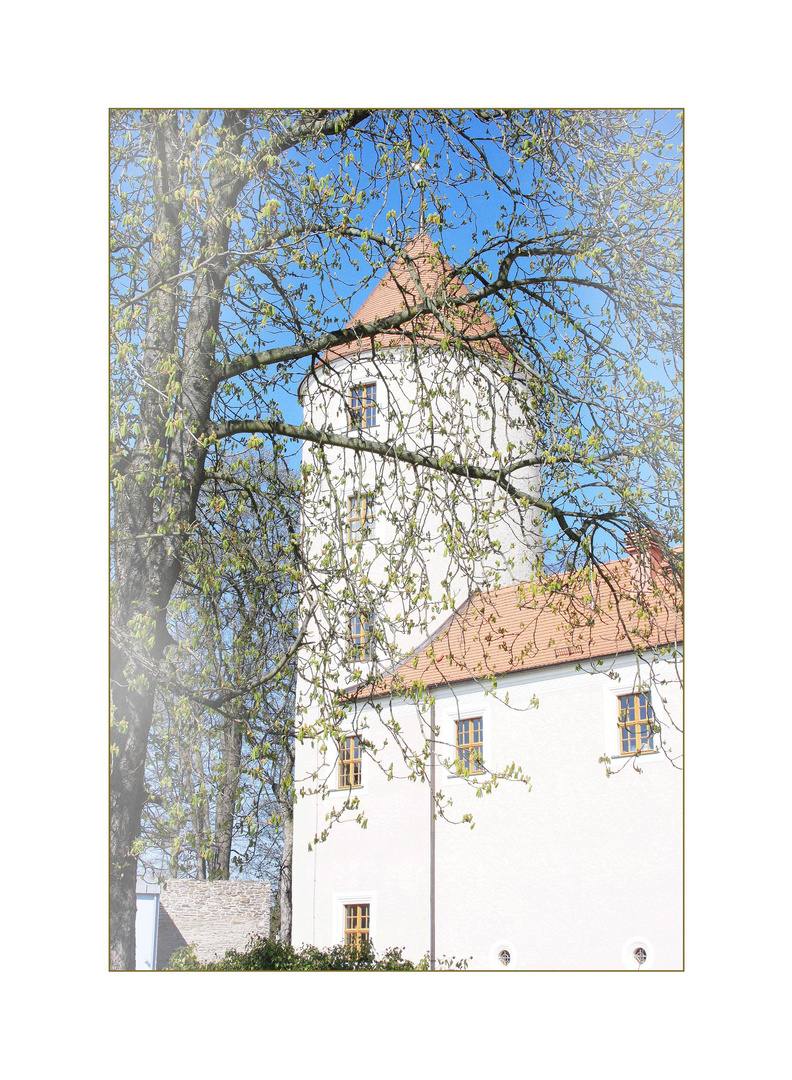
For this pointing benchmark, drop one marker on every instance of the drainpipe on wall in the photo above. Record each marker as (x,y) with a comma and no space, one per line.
(432,838)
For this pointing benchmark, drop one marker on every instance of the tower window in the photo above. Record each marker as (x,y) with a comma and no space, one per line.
(357,920)
(363,405)
(360,517)
(470,746)
(360,638)
(636,725)
(349,763)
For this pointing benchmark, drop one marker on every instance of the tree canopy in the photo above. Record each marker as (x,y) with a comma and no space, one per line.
(243,242)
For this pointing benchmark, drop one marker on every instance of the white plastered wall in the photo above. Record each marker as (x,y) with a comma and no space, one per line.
(569,874)
(574,873)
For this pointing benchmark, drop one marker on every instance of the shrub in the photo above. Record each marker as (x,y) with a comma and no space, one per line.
(266,954)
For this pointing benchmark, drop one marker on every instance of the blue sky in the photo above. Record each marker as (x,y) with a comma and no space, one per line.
(457,237)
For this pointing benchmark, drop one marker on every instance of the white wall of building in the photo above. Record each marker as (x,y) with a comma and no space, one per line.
(571,874)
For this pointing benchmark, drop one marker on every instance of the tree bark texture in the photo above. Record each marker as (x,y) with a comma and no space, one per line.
(286,805)
(147,567)
(226,800)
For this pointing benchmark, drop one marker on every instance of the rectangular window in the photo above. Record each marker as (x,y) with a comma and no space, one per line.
(360,516)
(357,920)
(350,763)
(470,746)
(363,405)
(636,719)
(360,638)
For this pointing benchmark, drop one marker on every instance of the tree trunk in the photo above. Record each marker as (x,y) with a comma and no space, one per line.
(203,823)
(286,803)
(226,800)
(192,769)
(133,710)
(147,567)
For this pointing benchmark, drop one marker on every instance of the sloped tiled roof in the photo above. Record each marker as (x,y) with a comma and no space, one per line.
(397,291)
(524,627)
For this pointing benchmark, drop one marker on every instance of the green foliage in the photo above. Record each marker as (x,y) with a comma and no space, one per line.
(243,241)
(266,954)
(184,959)
(218,760)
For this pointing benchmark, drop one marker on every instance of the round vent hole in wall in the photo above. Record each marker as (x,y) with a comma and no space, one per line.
(638,954)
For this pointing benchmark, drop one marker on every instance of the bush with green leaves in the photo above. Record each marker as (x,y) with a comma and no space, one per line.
(266,954)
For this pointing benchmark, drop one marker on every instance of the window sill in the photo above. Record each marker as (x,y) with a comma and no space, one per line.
(344,794)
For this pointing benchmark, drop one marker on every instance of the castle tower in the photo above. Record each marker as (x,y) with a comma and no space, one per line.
(396,547)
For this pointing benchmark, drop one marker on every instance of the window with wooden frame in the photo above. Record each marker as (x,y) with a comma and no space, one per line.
(357,921)
(470,746)
(360,517)
(360,637)
(350,761)
(363,405)
(636,725)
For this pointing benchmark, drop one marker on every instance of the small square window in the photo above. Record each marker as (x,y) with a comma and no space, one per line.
(636,725)
(350,773)
(360,517)
(357,922)
(470,746)
(360,637)
(363,405)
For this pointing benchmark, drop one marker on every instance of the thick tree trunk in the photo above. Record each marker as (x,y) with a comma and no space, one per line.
(146,567)
(144,576)
(133,708)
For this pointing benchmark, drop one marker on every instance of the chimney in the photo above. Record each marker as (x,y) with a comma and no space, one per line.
(644,552)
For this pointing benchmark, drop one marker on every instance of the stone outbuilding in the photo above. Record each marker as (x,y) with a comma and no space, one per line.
(212,915)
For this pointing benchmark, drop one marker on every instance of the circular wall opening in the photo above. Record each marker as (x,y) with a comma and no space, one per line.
(502,955)
(638,954)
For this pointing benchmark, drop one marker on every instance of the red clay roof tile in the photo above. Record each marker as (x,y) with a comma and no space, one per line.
(397,291)
(522,627)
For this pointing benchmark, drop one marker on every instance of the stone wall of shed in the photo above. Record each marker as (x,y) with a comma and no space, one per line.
(212,915)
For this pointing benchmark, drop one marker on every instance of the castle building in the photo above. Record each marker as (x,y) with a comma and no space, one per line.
(502,783)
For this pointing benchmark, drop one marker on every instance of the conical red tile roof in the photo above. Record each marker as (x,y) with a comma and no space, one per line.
(397,290)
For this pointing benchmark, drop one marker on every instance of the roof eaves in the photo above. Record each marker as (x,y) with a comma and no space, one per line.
(391,672)
(465,676)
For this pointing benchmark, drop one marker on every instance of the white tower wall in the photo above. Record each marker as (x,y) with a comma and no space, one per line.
(435,537)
